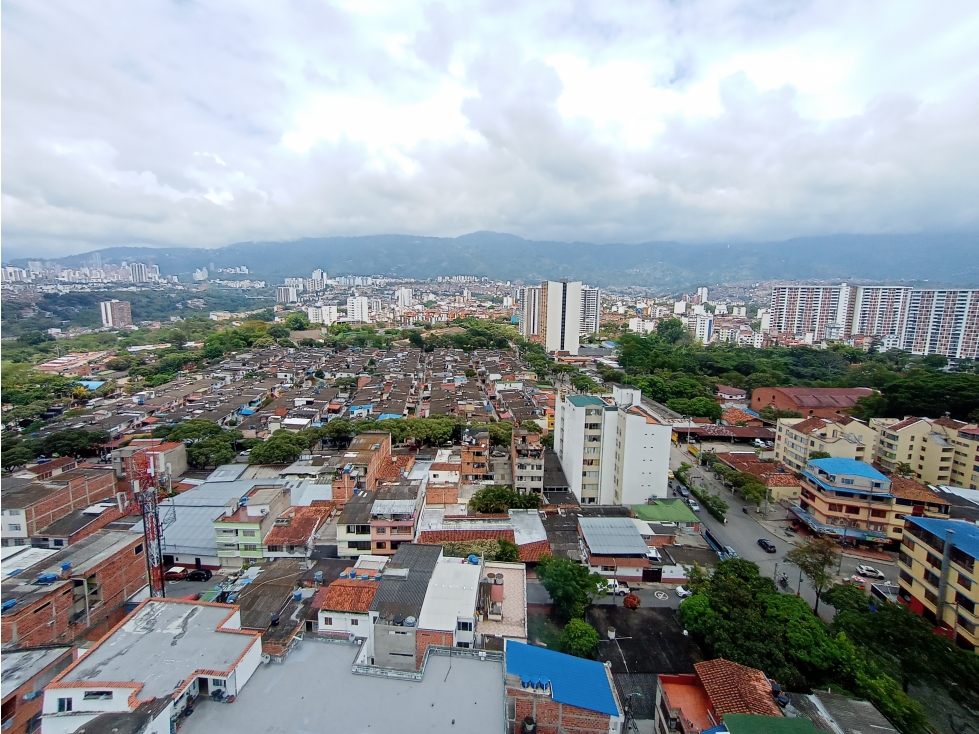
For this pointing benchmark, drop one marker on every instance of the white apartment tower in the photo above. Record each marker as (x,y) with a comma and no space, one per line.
(613,450)
(286,294)
(560,316)
(403,297)
(591,310)
(358,309)
(528,314)
(320,314)
(138,272)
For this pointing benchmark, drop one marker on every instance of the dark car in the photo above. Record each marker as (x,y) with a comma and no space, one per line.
(199,574)
(767,545)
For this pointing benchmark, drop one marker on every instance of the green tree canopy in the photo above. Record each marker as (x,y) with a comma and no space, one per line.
(579,638)
(570,585)
(817,558)
(499,499)
(282,447)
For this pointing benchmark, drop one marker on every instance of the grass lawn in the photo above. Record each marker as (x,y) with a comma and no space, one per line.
(544,631)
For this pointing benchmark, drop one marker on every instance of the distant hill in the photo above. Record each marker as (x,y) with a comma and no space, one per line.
(946,259)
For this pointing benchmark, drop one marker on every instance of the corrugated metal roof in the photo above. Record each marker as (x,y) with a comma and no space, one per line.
(612,536)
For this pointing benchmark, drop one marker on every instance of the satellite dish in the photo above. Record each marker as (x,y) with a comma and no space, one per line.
(266,658)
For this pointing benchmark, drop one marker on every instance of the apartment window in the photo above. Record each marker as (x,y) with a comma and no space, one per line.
(934,561)
(904,558)
(248,533)
(354,622)
(964,582)
(381,531)
(15,527)
(98,695)
(906,577)
(64,705)
(852,510)
(328,621)
(878,513)
(846,481)
(931,578)
(464,626)
(965,602)
(136,551)
(217,682)
(833,507)
(380,545)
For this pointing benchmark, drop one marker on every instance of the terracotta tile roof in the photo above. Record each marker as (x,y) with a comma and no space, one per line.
(737,689)
(736,415)
(435,537)
(909,421)
(949,423)
(348,595)
(809,425)
(400,464)
(532,552)
(619,561)
(780,479)
(303,522)
(445,466)
(910,490)
(825,397)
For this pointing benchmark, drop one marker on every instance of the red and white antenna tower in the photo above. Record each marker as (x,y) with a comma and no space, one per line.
(146,496)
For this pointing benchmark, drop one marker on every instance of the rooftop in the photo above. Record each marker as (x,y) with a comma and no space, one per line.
(19,666)
(690,697)
(647,640)
(404,582)
(573,681)
(737,689)
(451,594)
(161,645)
(825,397)
(668,510)
(966,537)
(851,467)
(612,536)
(753,724)
(347,595)
(580,401)
(290,697)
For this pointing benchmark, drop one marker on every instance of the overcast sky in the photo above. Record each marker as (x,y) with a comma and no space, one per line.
(200,123)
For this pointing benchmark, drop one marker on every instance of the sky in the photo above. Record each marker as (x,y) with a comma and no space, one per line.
(208,123)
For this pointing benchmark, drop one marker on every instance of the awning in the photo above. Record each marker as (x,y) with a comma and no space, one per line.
(869,536)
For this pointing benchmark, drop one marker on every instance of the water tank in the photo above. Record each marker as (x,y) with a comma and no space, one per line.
(343,574)
(318,576)
(410,621)
(474,559)
(46,579)
(297,595)
(66,566)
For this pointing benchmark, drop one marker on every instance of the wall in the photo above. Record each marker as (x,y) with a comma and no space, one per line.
(424,638)
(343,623)
(645,463)
(79,492)
(25,710)
(557,718)
(394,647)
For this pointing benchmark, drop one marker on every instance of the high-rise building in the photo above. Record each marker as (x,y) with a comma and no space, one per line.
(528,314)
(943,322)
(286,294)
(810,309)
(319,274)
(358,309)
(613,450)
(138,272)
(320,314)
(702,294)
(403,297)
(880,310)
(560,316)
(591,310)
(116,314)
(703,328)
(297,283)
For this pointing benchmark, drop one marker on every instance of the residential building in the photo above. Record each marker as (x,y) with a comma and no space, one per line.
(549,692)
(529,312)
(560,317)
(842,438)
(394,515)
(320,314)
(779,480)
(703,328)
(286,294)
(501,611)
(116,314)
(527,461)
(343,607)
(403,297)
(25,673)
(613,449)
(851,500)
(591,310)
(34,506)
(938,451)
(448,614)
(361,464)
(192,648)
(241,530)
(943,322)
(294,532)
(354,525)
(614,548)
(358,309)
(939,575)
(822,402)
(880,311)
(74,590)
(822,312)
(698,702)
(474,466)
(138,273)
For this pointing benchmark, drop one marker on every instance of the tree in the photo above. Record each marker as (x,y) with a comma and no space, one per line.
(415,339)
(501,433)
(297,321)
(16,456)
(507,552)
(547,440)
(820,455)
(73,442)
(579,638)
(631,601)
(532,426)
(816,558)
(671,330)
(196,429)
(770,413)
(903,469)
(212,451)
(281,447)
(278,331)
(570,585)
(499,499)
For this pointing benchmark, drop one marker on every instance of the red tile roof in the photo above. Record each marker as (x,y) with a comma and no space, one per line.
(434,537)
(909,421)
(809,425)
(737,689)
(736,415)
(825,397)
(445,466)
(910,490)
(348,595)
(399,465)
(303,522)
(532,552)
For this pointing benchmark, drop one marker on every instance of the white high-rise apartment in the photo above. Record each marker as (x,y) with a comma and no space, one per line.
(320,314)
(591,310)
(702,293)
(286,294)
(943,322)
(560,318)
(138,272)
(528,314)
(703,328)
(614,451)
(358,309)
(403,297)
(812,309)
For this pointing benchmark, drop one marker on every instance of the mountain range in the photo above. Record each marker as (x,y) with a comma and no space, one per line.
(934,259)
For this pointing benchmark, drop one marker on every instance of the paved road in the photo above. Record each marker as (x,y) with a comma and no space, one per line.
(742,532)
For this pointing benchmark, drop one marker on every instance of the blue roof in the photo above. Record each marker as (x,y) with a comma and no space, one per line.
(389,416)
(849,466)
(966,537)
(574,681)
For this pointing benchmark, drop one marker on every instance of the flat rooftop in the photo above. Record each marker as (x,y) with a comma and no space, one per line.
(161,645)
(451,594)
(468,692)
(19,666)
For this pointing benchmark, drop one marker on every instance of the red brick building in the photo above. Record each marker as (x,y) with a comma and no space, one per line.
(25,673)
(57,601)
(361,464)
(822,402)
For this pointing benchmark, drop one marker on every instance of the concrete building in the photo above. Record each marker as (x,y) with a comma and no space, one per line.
(938,569)
(560,320)
(163,655)
(240,530)
(358,309)
(286,294)
(943,322)
(116,314)
(843,438)
(938,451)
(448,614)
(74,590)
(591,310)
(320,314)
(703,328)
(811,309)
(403,297)
(527,461)
(529,312)
(138,272)
(822,402)
(343,607)
(614,548)
(614,450)
(25,673)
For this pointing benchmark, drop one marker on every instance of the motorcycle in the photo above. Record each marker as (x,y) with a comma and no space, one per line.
(783,581)
(744,509)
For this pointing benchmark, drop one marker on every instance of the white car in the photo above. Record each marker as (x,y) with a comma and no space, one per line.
(694,506)
(615,587)
(683,592)
(869,572)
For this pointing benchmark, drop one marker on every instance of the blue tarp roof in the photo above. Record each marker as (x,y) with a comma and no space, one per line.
(92,385)
(849,466)
(576,682)
(389,416)
(966,537)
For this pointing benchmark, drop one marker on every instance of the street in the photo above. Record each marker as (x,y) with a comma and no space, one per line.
(742,532)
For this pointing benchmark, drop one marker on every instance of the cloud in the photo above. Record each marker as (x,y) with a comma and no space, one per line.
(203,124)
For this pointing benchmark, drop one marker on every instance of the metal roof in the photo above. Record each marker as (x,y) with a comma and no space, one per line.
(849,466)
(404,593)
(612,536)
(966,537)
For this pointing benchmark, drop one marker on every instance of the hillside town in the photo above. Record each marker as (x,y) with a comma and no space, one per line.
(498,504)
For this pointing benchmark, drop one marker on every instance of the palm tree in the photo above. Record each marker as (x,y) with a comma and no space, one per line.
(903,469)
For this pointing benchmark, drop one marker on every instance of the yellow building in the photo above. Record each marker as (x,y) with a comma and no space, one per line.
(844,438)
(939,575)
(941,451)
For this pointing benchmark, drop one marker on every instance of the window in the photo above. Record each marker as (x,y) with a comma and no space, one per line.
(248,533)
(354,622)
(380,545)
(249,547)
(846,481)
(98,695)
(608,568)
(382,531)
(464,626)
(136,551)
(931,578)
(852,510)
(878,513)
(15,527)
(964,582)
(328,621)
(64,705)
(965,602)
(217,682)
(58,542)
(833,507)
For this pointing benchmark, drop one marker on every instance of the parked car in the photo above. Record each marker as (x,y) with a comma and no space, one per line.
(767,545)
(175,573)
(694,506)
(199,574)
(729,552)
(616,587)
(855,580)
(683,592)
(869,572)
(684,492)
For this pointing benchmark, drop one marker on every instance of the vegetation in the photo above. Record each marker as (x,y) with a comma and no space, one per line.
(282,447)
(753,489)
(816,558)
(579,638)
(739,615)
(712,503)
(500,549)
(18,451)
(570,585)
(499,499)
